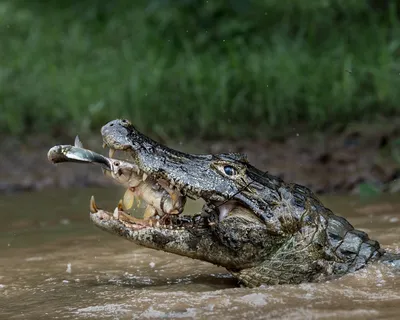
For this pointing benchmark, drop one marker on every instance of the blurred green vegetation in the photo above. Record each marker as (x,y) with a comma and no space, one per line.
(196,68)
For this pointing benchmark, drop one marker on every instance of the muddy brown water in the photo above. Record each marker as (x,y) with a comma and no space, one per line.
(54,264)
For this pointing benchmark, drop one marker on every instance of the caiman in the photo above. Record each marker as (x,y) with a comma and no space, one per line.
(262,230)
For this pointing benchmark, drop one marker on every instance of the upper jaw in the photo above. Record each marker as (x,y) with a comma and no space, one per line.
(139,150)
(170,179)
(146,153)
(160,176)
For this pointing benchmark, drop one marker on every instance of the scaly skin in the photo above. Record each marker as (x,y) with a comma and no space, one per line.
(261,229)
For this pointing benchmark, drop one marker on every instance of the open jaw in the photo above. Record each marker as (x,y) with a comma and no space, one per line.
(163,204)
(164,201)
(205,235)
(219,179)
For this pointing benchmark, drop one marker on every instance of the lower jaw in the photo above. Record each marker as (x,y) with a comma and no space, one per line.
(171,222)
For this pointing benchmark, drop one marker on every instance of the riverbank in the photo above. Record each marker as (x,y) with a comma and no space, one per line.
(331,162)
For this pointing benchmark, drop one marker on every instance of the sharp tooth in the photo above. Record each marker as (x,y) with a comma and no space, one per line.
(145,176)
(93,207)
(78,142)
(128,199)
(104,145)
(116,213)
(149,212)
(157,223)
(111,153)
(138,171)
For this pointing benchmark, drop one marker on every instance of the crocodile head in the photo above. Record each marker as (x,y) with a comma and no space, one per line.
(223,180)
(261,229)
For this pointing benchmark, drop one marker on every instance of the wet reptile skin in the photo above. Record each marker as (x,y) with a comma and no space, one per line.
(277,232)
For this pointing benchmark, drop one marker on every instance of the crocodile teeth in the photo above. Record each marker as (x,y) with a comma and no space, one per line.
(93,207)
(145,175)
(128,199)
(111,153)
(116,213)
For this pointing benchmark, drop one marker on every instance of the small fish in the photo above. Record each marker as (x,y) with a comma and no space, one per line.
(76,153)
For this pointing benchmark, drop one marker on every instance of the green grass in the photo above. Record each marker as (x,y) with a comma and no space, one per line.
(258,67)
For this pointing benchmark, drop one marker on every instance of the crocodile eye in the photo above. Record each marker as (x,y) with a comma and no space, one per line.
(229,171)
